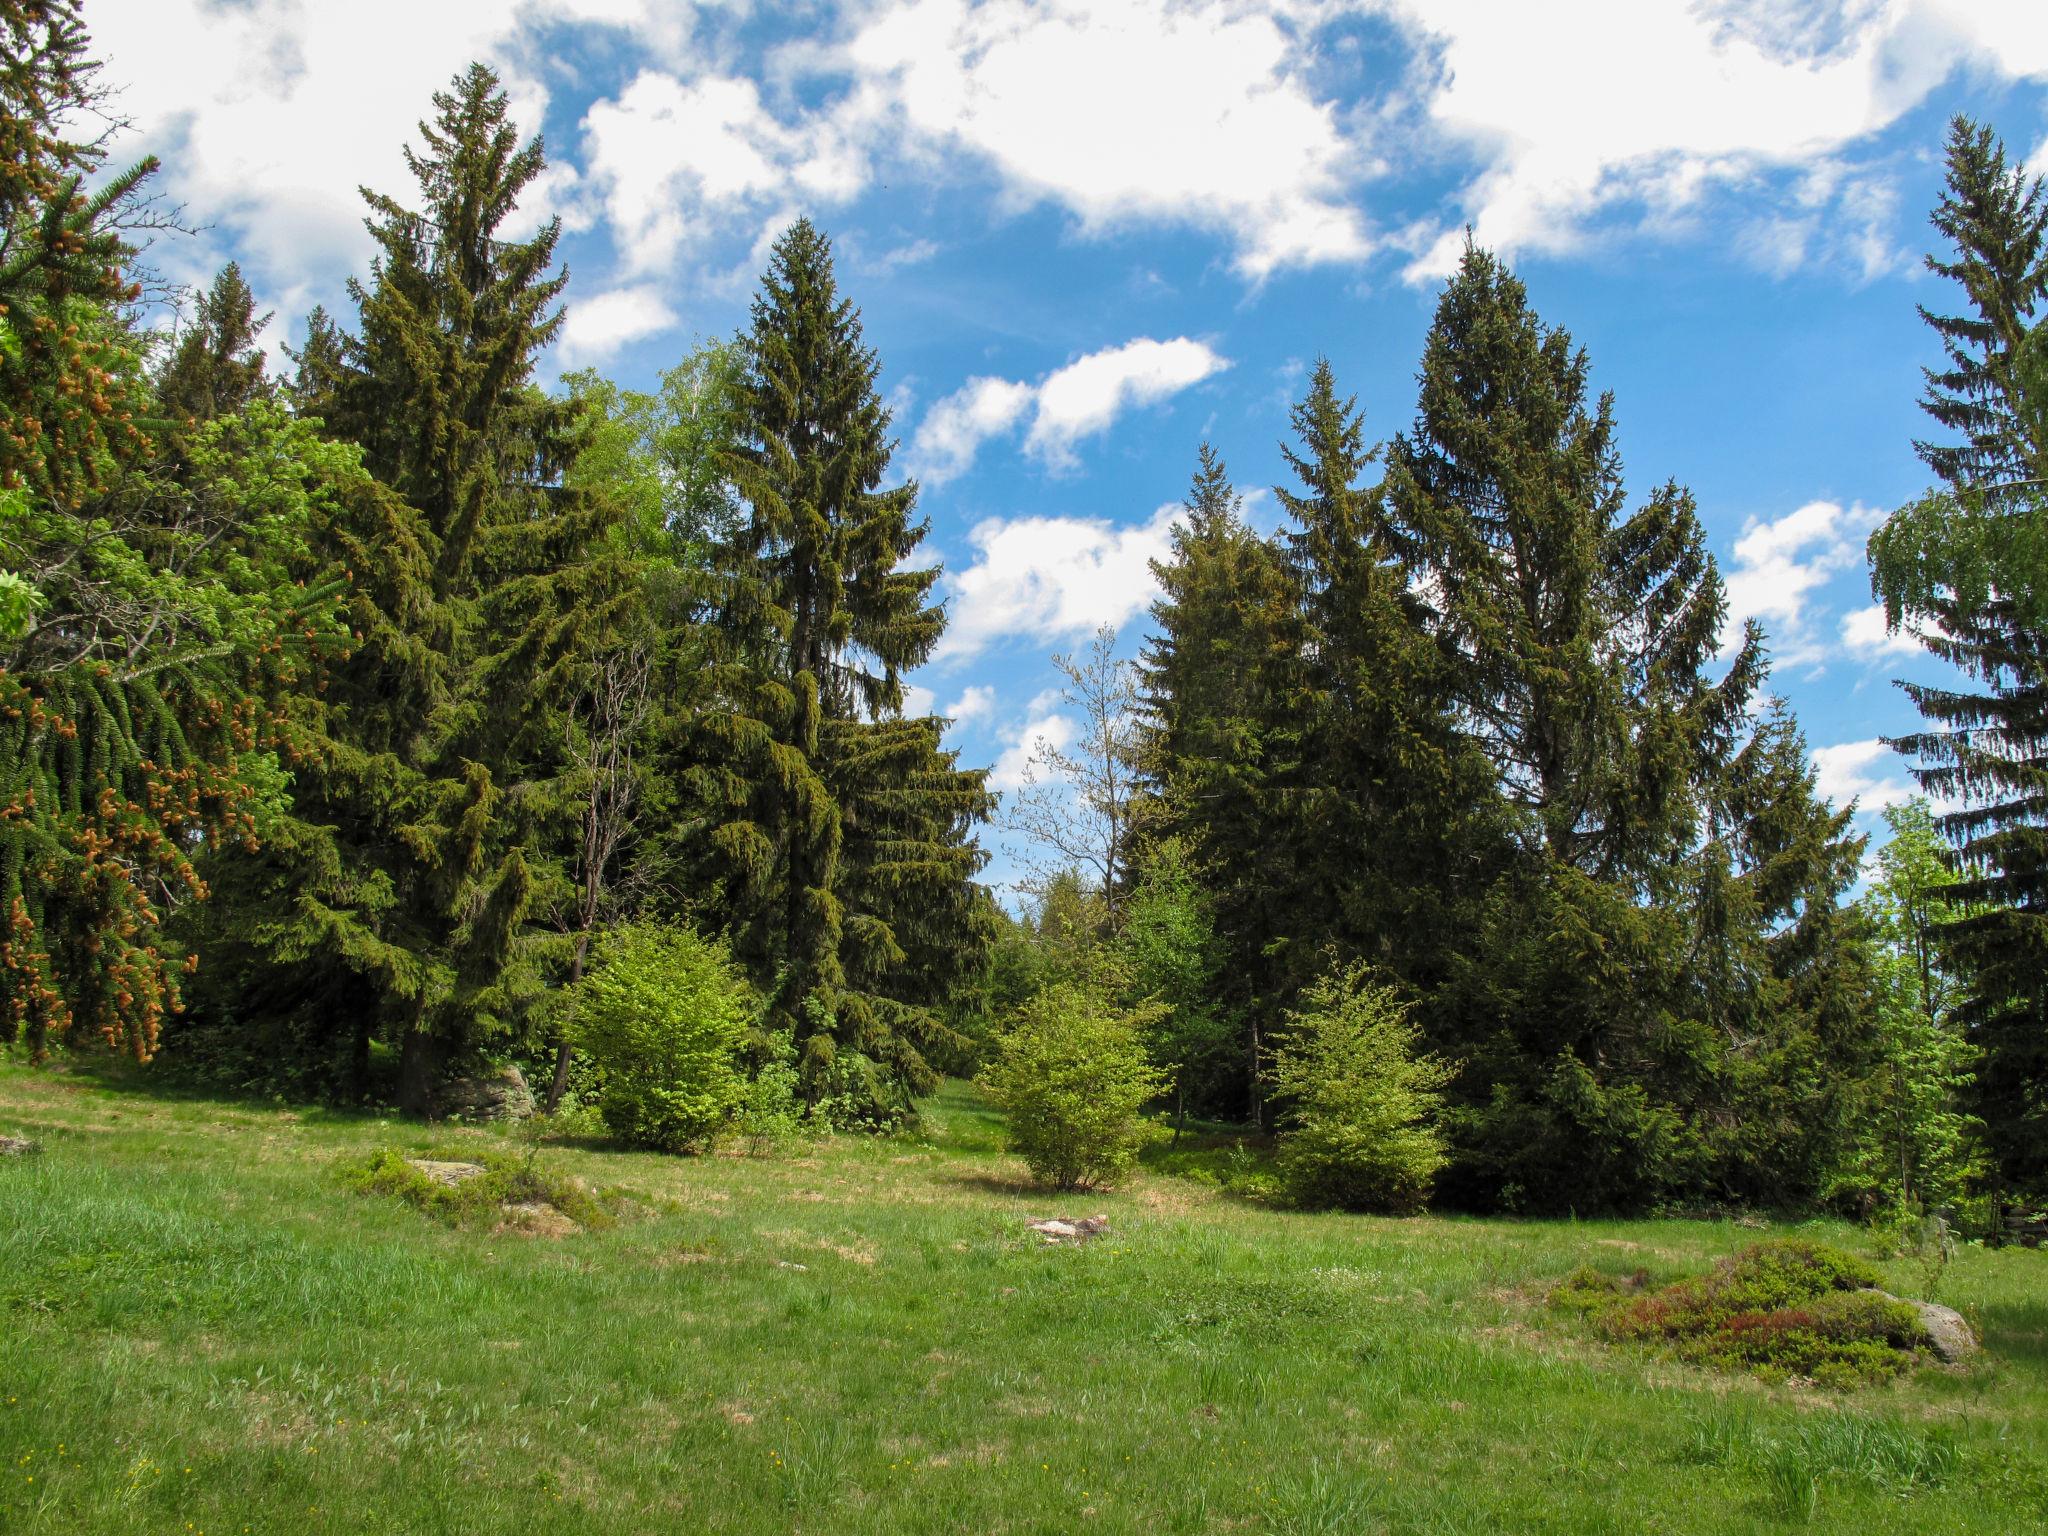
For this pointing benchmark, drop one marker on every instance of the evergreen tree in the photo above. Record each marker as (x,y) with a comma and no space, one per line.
(440,819)
(1220,683)
(216,366)
(148,611)
(1971,562)
(817,617)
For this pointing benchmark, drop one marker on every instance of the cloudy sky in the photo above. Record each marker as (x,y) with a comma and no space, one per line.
(1086,234)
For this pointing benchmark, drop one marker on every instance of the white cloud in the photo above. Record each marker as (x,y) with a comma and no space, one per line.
(1013,766)
(664,145)
(1659,103)
(1856,770)
(977,702)
(954,429)
(1864,634)
(1084,397)
(269,115)
(597,327)
(1123,110)
(918,700)
(1050,579)
(1778,567)
(1079,400)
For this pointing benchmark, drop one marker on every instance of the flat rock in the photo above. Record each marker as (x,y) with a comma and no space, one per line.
(450,1174)
(538,1218)
(1054,1230)
(18,1146)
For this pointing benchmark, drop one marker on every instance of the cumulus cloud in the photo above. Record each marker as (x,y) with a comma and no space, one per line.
(1778,567)
(1080,400)
(1123,110)
(1042,728)
(954,429)
(597,327)
(269,115)
(1864,634)
(1863,771)
(978,702)
(1084,397)
(665,145)
(1658,103)
(1051,579)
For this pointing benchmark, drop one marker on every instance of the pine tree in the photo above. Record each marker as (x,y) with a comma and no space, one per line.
(487,589)
(1971,562)
(216,367)
(1585,630)
(817,617)
(1220,681)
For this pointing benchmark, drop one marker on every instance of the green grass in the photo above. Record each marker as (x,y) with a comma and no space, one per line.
(202,1328)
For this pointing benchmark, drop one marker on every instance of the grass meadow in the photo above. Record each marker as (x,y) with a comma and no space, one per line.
(202,1329)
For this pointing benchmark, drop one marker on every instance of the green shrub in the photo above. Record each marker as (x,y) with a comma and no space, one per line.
(1786,1308)
(664,1015)
(1071,1076)
(1360,1100)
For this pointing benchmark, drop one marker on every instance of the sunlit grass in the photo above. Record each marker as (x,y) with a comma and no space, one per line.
(205,1329)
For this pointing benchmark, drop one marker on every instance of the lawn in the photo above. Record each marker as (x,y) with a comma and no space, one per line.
(205,1331)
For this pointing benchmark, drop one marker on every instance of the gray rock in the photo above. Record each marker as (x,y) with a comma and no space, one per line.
(492,1093)
(19,1146)
(1055,1231)
(1953,1337)
(450,1174)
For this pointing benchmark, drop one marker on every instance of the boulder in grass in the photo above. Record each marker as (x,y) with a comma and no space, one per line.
(489,1093)
(449,1174)
(1056,1231)
(19,1146)
(1947,1329)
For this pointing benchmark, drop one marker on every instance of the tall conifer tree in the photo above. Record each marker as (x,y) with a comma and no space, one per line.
(1970,562)
(837,828)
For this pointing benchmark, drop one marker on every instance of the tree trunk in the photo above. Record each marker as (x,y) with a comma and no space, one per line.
(419,1073)
(559,1083)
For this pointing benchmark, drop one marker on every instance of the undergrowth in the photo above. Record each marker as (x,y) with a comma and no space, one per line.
(1778,1309)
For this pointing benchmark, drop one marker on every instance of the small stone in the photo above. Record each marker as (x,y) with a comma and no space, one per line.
(1054,1230)
(786,1264)
(449,1174)
(18,1146)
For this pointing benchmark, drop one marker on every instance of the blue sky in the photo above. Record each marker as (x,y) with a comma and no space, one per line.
(1086,236)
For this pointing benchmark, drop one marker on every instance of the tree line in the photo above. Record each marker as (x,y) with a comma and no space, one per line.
(359,718)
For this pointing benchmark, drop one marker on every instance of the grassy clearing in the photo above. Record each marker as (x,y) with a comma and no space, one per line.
(205,1329)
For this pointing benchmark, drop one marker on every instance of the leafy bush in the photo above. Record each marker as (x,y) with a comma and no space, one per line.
(1071,1075)
(664,1015)
(1361,1101)
(1786,1308)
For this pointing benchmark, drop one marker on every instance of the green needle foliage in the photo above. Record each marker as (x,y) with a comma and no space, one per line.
(1359,1097)
(1966,564)
(840,833)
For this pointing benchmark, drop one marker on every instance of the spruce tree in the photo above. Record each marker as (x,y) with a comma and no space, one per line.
(216,366)
(1970,563)
(836,829)
(1220,678)
(486,587)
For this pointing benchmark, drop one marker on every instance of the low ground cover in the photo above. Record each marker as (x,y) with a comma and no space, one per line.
(203,1327)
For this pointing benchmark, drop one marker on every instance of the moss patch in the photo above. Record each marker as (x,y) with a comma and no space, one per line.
(483,1198)
(1779,1310)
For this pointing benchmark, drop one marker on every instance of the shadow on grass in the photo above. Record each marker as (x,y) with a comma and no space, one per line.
(996,1184)
(2017,1331)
